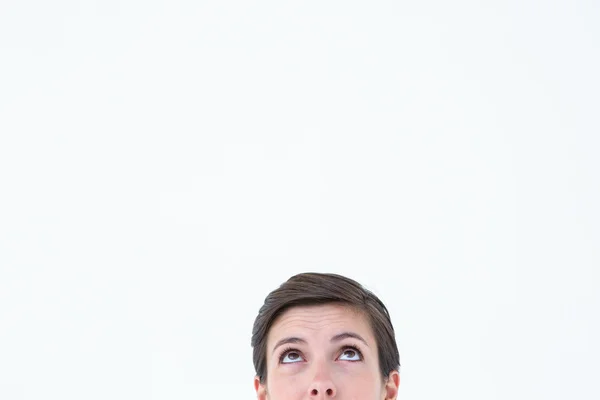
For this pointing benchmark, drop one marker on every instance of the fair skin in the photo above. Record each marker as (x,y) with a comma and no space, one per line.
(324,352)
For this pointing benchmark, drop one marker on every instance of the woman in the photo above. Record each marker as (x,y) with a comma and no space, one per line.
(324,336)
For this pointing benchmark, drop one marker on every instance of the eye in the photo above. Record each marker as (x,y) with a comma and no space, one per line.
(351,354)
(290,357)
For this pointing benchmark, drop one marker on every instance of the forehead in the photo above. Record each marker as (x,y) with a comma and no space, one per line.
(320,321)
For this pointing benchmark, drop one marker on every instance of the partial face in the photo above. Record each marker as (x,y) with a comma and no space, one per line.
(324,352)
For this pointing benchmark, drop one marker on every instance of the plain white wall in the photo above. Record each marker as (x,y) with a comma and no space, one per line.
(166,164)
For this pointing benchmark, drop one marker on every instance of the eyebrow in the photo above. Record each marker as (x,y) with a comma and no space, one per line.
(337,338)
(345,335)
(288,340)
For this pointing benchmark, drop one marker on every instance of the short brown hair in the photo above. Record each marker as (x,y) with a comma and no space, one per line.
(320,288)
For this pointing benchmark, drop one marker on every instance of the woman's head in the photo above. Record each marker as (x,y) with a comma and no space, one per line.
(324,336)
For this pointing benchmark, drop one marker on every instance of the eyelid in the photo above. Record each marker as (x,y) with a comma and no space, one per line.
(354,348)
(285,352)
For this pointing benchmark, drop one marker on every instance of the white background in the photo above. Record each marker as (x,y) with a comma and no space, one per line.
(166,164)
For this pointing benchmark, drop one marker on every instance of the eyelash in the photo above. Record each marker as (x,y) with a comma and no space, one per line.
(348,347)
(284,353)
